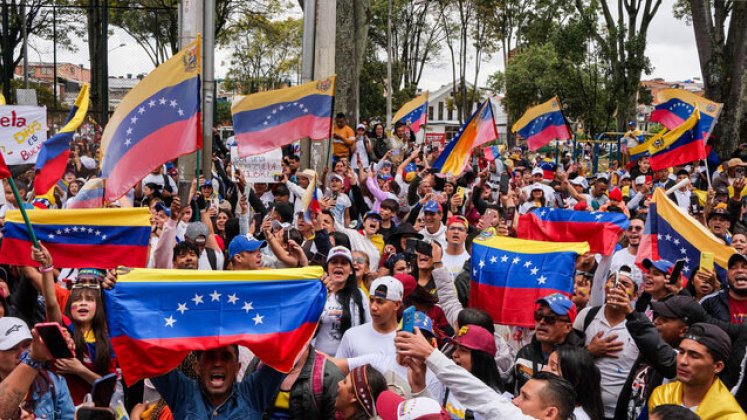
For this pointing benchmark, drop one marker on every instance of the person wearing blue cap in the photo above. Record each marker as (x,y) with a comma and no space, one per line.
(656,280)
(244,254)
(434,229)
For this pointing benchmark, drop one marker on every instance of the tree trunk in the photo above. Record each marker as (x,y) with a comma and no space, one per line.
(350,43)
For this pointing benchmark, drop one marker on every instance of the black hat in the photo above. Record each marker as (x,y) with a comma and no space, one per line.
(406,230)
(681,307)
(736,257)
(711,336)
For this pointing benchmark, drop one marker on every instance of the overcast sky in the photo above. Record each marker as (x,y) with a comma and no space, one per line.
(671,48)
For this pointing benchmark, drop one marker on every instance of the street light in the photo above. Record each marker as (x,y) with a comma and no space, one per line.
(118,46)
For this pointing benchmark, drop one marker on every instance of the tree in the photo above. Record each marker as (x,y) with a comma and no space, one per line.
(351,39)
(154,24)
(721,38)
(266,55)
(373,87)
(623,44)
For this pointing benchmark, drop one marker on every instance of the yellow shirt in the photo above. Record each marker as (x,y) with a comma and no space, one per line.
(718,402)
(341,148)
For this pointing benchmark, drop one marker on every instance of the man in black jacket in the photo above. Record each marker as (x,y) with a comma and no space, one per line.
(730,304)
(553,318)
(657,342)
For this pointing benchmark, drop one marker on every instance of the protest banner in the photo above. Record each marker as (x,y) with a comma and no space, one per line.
(23,129)
(259,168)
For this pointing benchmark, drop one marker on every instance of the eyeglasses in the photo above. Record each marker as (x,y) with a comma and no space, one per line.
(550,318)
(635,228)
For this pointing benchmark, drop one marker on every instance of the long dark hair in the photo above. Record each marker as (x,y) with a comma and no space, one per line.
(377,385)
(578,368)
(485,369)
(102,346)
(350,290)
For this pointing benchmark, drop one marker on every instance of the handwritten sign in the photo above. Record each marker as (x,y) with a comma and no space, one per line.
(23,129)
(259,168)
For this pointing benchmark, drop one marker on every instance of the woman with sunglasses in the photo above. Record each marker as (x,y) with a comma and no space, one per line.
(357,394)
(84,309)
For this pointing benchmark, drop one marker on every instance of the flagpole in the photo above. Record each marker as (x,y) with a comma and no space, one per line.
(25,216)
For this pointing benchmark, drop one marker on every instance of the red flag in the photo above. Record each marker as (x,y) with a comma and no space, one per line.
(4,170)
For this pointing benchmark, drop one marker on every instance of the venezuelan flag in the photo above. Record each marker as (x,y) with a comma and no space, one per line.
(491,153)
(90,196)
(414,113)
(54,153)
(311,201)
(672,234)
(267,120)
(601,230)
(543,123)
(156,317)
(157,121)
(100,238)
(682,145)
(4,170)
(677,105)
(509,275)
(478,130)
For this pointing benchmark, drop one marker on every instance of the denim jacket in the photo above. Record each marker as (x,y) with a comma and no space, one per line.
(56,402)
(247,400)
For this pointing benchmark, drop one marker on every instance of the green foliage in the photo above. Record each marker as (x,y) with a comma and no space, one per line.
(152,23)
(373,88)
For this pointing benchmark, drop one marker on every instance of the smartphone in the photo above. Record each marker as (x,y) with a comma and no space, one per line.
(408,319)
(277,177)
(706,260)
(183,192)
(103,389)
(510,216)
(505,178)
(54,339)
(460,192)
(95,413)
(616,284)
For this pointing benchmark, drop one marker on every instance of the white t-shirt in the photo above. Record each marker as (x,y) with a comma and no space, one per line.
(455,263)
(624,257)
(328,335)
(204,262)
(343,202)
(360,151)
(158,179)
(364,339)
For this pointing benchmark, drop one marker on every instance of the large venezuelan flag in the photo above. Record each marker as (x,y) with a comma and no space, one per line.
(156,317)
(543,123)
(99,238)
(54,153)
(509,275)
(672,234)
(478,130)
(601,230)
(157,121)
(682,145)
(677,105)
(267,120)
(414,113)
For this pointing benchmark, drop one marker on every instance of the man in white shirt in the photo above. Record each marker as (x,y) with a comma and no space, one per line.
(434,230)
(455,254)
(627,256)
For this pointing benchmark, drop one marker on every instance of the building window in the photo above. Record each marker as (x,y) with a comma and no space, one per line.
(451,114)
(430,113)
(441,111)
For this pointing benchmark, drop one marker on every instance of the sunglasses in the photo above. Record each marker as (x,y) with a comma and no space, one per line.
(550,318)
(360,260)
(635,228)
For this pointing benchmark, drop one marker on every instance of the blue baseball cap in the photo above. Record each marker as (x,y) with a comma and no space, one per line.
(373,214)
(432,206)
(241,243)
(662,265)
(160,207)
(560,304)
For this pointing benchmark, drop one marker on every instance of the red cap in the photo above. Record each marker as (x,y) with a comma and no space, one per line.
(616,194)
(581,206)
(475,337)
(408,283)
(458,219)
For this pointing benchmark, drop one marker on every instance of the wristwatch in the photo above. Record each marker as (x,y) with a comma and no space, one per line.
(27,359)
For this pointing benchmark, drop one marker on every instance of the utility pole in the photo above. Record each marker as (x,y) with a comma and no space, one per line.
(307,67)
(190,24)
(208,87)
(25,48)
(104,65)
(389,66)
(7,54)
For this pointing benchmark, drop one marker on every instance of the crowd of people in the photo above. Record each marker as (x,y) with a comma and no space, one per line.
(392,235)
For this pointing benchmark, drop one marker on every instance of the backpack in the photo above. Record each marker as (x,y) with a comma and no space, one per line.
(590,316)
(212,259)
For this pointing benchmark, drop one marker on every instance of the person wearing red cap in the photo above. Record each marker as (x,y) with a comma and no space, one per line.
(455,254)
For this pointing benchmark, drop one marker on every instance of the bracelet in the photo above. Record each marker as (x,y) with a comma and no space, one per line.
(27,359)
(45,270)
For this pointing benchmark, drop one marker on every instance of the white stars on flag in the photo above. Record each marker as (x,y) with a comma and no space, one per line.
(75,232)
(197,299)
(216,302)
(170,321)
(215,296)
(526,267)
(248,306)
(143,112)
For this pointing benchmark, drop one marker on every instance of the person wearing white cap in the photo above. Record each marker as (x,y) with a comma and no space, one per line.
(299,189)
(362,148)
(23,371)
(576,188)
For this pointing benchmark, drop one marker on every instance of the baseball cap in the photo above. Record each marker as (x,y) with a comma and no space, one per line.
(195,229)
(681,307)
(373,214)
(581,206)
(408,281)
(161,207)
(207,183)
(390,406)
(711,336)
(12,331)
(88,162)
(338,176)
(640,180)
(616,195)
(579,180)
(387,287)
(241,243)
(662,265)
(475,337)
(360,126)
(538,171)
(307,173)
(735,258)
(340,251)
(432,206)
(536,186)
(719,210)
(560,304)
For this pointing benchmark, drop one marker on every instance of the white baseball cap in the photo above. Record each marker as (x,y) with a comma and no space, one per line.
(12,331)
(387,287)
(538,171)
